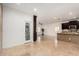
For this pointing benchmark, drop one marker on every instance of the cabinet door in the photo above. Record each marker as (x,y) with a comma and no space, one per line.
(75,39)
(65,37)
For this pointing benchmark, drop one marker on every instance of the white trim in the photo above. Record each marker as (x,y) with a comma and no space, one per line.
(31,31)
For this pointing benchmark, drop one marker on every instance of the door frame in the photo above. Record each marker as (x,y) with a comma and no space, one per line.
(31,31)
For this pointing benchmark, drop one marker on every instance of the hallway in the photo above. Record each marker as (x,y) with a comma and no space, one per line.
(45,47)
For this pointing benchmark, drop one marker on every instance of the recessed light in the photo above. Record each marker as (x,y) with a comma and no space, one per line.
(54,17)
(18,3)
(70,13)
(35,9)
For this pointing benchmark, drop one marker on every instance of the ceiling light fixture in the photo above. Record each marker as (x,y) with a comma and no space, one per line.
(35,9)
(18,3)
(55,17)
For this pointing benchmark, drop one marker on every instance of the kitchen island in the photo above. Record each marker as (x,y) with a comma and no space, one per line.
(69,37)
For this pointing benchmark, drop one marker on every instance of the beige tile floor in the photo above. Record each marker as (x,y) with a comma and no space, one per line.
(45,47)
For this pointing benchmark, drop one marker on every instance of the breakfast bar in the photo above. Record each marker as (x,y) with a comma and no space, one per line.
(69,37)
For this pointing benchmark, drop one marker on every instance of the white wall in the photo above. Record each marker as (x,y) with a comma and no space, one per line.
(0,26)
(52,29)
(14,27)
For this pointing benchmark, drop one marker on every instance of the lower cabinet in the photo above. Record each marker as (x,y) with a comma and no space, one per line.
(74,38)
(64,37)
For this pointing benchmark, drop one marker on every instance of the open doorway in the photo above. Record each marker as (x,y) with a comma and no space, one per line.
(27,31)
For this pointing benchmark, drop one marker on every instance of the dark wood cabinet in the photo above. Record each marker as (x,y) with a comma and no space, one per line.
(65,25)
(68,24)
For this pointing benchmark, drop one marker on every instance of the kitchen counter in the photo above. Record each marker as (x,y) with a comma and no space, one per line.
(69,33)
(69,37)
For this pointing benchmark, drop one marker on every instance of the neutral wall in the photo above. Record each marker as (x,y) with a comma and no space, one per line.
(0,26)
(14,27)
(52,29)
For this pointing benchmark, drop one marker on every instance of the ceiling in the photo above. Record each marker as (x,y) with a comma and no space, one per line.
(49,12)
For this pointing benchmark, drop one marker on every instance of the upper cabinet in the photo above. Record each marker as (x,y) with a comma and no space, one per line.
(71,24)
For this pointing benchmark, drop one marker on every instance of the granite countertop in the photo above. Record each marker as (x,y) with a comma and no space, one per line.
(69,33)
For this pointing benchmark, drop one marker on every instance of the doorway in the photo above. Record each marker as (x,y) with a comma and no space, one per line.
(27,32)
